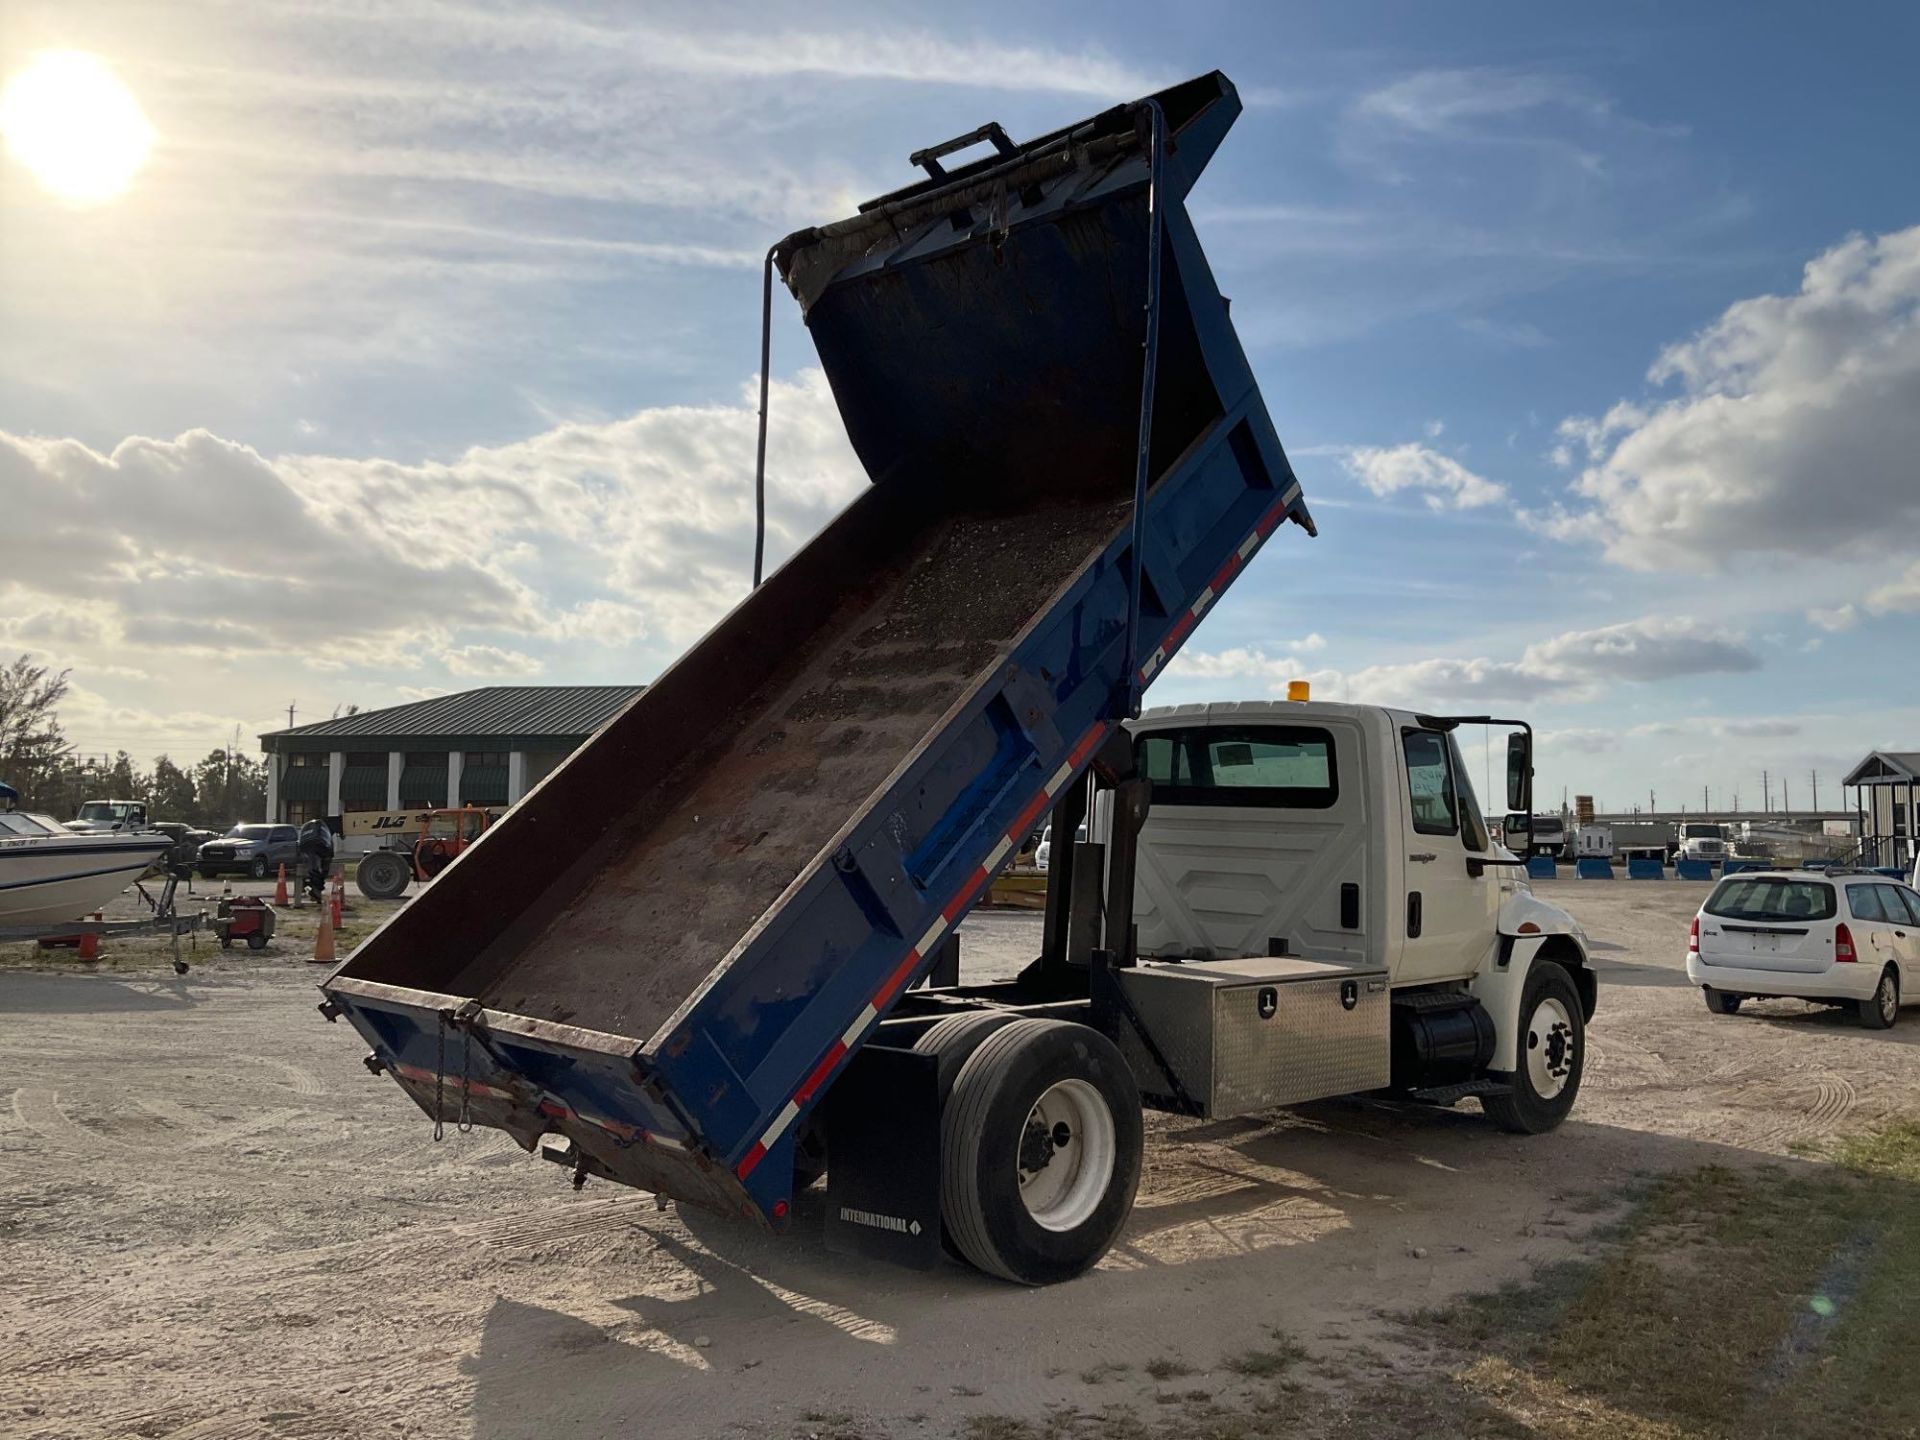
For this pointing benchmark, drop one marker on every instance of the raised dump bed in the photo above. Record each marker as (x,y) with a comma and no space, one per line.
(669,950)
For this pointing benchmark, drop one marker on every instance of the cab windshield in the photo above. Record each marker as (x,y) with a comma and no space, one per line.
(1703,832)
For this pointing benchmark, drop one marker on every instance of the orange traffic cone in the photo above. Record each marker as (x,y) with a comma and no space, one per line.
(323,940)
(280,886)
(339,898)
(90,941)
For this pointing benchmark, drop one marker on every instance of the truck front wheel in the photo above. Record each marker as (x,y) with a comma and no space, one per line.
(1040,1151)
(1552,1055)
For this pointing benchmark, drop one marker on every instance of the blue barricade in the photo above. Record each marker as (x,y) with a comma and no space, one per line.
(1542,867)
(1592,867)
(1693,870)
(1736,867)
(1646,869)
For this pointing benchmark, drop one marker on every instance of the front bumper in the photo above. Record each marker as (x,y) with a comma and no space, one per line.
(1836,982)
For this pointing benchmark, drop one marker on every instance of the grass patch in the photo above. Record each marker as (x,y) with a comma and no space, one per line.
(1772,1303)
(1264,1364)
(1103,1372)
(1168,1367)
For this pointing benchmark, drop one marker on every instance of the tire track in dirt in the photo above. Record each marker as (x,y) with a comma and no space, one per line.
(41,1112)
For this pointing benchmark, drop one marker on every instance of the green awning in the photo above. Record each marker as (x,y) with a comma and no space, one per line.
(424,785)
(364,783)
(483,785)
(304,782)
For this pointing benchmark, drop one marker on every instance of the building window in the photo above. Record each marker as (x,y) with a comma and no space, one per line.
(307,759)
(483,759)
(301,811)
(367,757)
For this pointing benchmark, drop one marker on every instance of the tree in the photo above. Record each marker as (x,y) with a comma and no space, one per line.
(230,787)
(172,796)
(34,752)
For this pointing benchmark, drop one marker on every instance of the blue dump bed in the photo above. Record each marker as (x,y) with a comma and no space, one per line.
(668,950)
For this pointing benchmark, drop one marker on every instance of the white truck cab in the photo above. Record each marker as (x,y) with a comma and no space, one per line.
(1699,840)
(1351,834)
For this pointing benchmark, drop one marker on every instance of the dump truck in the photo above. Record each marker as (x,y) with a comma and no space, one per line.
(746,971)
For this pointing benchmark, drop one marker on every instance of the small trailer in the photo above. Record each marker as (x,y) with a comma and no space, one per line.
(712,989)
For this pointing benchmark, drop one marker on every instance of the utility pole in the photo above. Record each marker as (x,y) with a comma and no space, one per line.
(290,715)
(1816,789)
(1766,793)
(1786,796)
(1651,807)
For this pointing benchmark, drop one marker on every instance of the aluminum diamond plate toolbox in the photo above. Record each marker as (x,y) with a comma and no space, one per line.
(1246,1035)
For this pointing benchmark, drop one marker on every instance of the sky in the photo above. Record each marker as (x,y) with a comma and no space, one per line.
(420,352)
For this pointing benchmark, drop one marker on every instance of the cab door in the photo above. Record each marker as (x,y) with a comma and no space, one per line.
(1447,918)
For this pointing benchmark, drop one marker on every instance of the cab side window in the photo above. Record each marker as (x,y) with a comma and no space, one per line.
(1430,783)
(1894,899)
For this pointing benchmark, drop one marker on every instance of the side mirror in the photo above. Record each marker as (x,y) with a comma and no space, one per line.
(1520,773)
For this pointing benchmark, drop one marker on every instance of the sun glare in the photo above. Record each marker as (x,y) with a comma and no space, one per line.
(68,118)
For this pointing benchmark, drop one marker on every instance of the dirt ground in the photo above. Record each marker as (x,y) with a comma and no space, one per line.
(215,1223)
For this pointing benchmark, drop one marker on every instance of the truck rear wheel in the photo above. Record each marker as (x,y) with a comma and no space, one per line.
(383,875)
(954,1040)
(1040,1151)
(1552,1055)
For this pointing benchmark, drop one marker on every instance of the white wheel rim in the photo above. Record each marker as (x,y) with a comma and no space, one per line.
(1551,1043)
(1066,1155)
(1889,998)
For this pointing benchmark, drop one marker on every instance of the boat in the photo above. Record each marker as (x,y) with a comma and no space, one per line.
(49,873)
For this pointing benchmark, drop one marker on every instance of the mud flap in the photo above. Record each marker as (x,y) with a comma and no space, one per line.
(883,1158)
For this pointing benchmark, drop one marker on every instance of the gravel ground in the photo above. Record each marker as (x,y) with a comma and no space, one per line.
(215,1223)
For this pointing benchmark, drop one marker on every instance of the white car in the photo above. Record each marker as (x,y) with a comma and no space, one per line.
(1833,937)
(1043,853)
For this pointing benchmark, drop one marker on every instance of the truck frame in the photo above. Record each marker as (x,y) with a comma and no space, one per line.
(712,993)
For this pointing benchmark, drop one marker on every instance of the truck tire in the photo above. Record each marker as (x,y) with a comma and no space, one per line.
(1880,1009)
(1720,1002)
(1040,1151)
(257,867)
(382,875)
(1552,1055)
(955,1038)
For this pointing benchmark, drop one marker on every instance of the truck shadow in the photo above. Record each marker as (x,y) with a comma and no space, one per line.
(1328,1213)
(41,992)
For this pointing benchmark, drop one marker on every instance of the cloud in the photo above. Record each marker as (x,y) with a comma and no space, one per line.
(1576,665)
(1642,650)
(1793,432)
(490,662)
(1840,617)
(626,533)
(1452,102)
(1445,482)
(1902,594)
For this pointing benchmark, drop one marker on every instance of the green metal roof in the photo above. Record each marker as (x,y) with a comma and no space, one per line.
(522,713)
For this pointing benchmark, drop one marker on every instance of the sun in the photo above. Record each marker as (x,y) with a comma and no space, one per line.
(68,118)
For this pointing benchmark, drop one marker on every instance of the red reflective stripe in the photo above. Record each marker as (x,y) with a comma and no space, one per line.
(957,906)
(553,1110)
(1272,517)
(1088,744)
(819,1075)
(1179,630)
(894,981)
(1218,583)
(754,1157)
(1023,822)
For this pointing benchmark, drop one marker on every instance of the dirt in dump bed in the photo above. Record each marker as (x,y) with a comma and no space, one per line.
(738,822)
